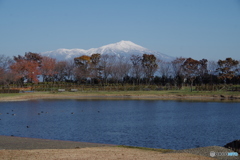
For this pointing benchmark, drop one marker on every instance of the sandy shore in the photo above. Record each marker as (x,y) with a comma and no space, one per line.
(20,148)
(17,148)
(102,153)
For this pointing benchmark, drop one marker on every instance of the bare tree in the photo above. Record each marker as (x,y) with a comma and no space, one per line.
(238,69)
(6,76)
(120,69)
(177,71)
(137,69)
(70,66)
(203,70)
(107,62)
(177,66)
(164,68)
(60,71)
(212,67)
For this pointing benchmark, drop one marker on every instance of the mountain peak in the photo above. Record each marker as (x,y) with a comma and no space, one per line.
(122,48)
(126,46)
(129,43)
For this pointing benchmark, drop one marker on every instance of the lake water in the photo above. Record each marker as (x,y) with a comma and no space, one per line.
(146,123)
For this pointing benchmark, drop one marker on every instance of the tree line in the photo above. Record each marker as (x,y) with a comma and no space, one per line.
(109,69)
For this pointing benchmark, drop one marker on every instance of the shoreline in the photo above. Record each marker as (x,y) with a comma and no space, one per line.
(28,148)
(26,143)
(117,96)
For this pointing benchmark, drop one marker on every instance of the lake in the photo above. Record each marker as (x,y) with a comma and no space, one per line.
(145,123)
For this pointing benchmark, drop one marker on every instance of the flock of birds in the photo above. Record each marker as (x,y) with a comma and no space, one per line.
(13,114)
(39,113)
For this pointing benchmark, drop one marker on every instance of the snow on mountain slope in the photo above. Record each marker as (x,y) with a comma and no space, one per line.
(122,48)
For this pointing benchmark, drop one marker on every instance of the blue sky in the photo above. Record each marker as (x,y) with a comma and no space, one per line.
(189,28)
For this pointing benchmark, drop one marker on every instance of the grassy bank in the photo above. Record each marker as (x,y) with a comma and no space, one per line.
(165,94)
(183,92)
(147,149)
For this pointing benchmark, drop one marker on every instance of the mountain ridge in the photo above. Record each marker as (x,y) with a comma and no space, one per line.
(122,48)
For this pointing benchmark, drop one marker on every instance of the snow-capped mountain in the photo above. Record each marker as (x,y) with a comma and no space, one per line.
(122,48)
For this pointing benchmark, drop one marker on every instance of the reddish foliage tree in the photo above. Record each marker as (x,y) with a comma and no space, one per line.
(29,56)
(48,68)
(25,69)
(192,69)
